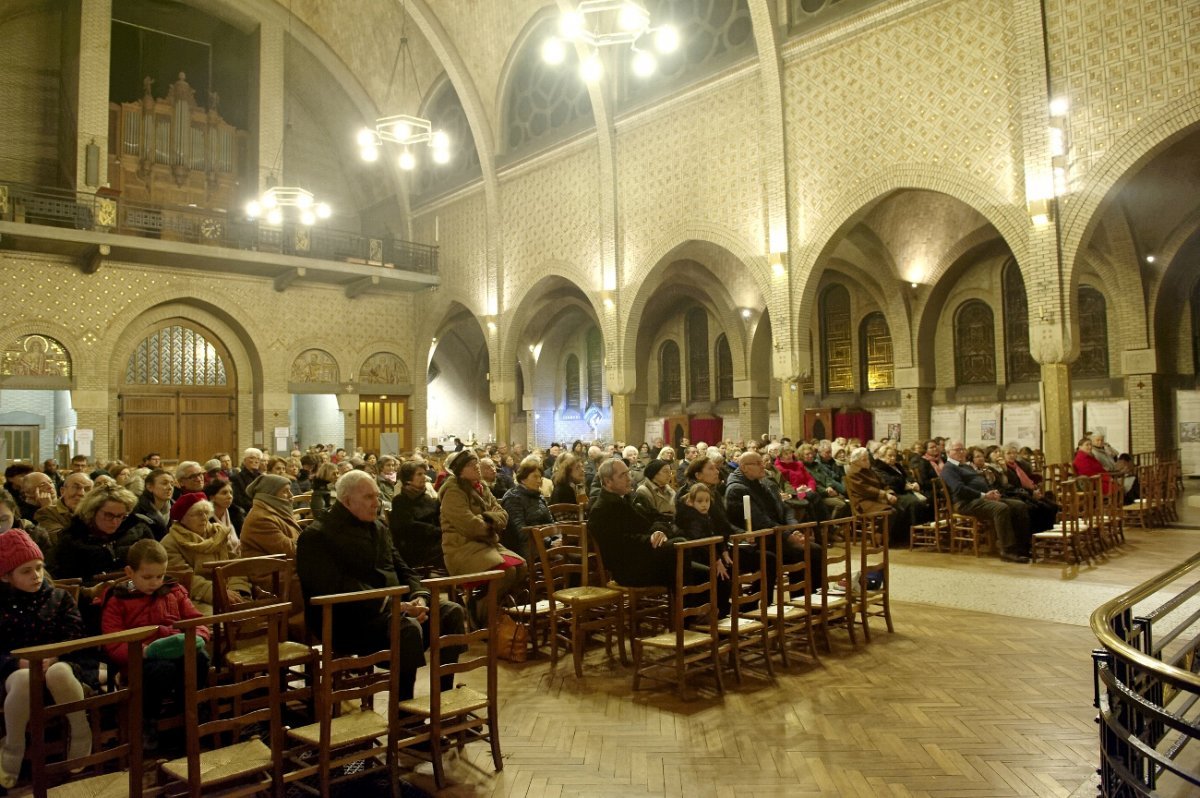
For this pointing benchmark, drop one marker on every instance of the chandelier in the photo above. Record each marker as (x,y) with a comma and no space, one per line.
(277,200)
(403,129)
(603,23)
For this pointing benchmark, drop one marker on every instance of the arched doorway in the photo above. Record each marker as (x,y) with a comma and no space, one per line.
(178,396)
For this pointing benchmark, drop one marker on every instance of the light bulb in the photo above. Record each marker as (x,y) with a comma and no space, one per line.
(746,313)
(644,64)
(366,138)
(304,201)
(275,216)
(441,156)
(553,51)
(1059,106)
(407,161)
(666,39)
(570,24)
(268,200)
(324,211)
(253,209)
(370,153)
(308,218)
(1150,259)
(631,17)
(439,140)
(402,131)
(591,70)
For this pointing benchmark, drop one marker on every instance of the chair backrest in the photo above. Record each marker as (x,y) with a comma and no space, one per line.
(685,550)
(72,586)
(223,719)
(873,543)
(302,499)
(748,577)
(941,504)
(585,568)
(127,752)
(356,677)
(565,511)
(836,537)
(270,580)
(447,588)
(794,577)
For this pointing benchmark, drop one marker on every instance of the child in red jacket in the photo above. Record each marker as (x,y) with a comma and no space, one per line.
(150,598)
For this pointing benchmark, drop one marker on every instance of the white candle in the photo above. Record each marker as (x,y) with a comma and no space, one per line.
(746,512)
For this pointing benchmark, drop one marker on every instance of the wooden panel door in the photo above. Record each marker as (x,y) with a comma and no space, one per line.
(380,414)
(149,423)
(818,424)
(206,426)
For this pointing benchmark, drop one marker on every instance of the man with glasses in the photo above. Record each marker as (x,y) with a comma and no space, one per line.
(189,478)
(971,494)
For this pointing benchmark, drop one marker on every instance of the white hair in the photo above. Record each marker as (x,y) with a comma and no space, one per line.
(188,464)
(252,452)
(858,454)
(348,483)
(630,452)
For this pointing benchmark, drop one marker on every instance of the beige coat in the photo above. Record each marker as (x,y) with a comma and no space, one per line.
(267,531)
(865,489)
(186,549)
(471,527)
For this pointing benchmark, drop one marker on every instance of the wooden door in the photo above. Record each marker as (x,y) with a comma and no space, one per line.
(818,424)
(205,426)
(149,423)
(380,414)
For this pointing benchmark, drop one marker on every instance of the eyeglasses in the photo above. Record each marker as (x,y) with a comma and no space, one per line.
(113,516)
(197,475)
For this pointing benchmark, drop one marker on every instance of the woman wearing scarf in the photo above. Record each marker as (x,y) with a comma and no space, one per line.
(220,493)
(930,466)
(192,542)
(270,526)
(388,466)
(154,505)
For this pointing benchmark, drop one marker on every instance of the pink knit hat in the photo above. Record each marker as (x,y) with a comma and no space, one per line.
(16,549)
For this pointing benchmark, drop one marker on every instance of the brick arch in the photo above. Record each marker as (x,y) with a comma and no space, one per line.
(892,304)
(1011,222)
(1118,165)
(1161,292)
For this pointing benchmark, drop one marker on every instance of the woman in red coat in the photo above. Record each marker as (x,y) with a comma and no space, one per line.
(1086,464)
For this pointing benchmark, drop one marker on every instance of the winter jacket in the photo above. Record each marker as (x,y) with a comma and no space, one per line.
(416,527)
(525,507)
(766,508)
(48,615)
(797,476)
(186,549)
(158,522)
(471,527)
(81,553)
(657,504)
(268,531)
(240,481)
(125,607)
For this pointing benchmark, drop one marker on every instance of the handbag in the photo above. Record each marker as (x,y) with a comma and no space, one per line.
(512,639)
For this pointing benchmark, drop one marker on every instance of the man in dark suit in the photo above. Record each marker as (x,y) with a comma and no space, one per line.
(637,551)
(971,494)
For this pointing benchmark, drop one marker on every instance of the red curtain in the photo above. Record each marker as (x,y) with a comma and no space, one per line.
(706,429)
(860,424)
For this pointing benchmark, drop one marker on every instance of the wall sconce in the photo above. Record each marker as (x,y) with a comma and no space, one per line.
(491,323)
(606,298)
(776,261)
(1041,211)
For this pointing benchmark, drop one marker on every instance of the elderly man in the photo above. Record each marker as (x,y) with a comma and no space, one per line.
(56,517)
(251,463)
(767,510)
(497,482)
(37,493)
(636,550)
(350,549)
(971,495)
(189,478)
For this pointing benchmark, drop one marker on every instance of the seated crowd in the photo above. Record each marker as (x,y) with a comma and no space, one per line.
(141,541)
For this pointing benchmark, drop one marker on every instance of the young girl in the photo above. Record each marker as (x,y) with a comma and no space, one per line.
(694,522)
(34,613)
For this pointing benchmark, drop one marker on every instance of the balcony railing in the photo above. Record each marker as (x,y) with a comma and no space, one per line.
(97,212)
(1147,687)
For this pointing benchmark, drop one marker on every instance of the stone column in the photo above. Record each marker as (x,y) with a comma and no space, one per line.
(915,402)
(92,411)
(86,49)
(277,412)
(269,104)
(503,425)
(1151,413)
(791,410)
(1058,439)
(622,423)
(348,405)
(754,416)
(418,403)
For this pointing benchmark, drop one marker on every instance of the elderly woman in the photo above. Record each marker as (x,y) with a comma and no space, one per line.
(896,479)
(472,522)
(220,493)
(526,507)
(868,494)
(386,480)
(99,535)
(154,505)
(270,526)
(195,543)
(568,480)
(1086,464)
(654,498)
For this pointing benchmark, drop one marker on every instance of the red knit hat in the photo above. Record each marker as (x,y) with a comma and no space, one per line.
(184,503)
(16,549)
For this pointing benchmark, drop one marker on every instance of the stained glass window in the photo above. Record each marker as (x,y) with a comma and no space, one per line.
(696,323)
(1019,364)
(1093,335)
(974,344)
(175,355)
(724,369)
(669,389)
(595,368)
(836,339)
(876,345)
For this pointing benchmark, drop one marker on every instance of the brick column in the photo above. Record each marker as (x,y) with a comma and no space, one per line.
(1151,413)
(622,424)
(502,431)
(86,48)
(791,410)
(915,403)
(1058,439)
(270,103)
(277,412)
(348,404)
(754,415)
(418,404)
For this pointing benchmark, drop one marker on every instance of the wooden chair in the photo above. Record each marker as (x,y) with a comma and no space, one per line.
(1143,510)
(1113,517)
(566,511)
(965,529)
(242,647)
(792,613)
(832,605)
(302,499)
(463,714)
(1062,541)
(640,605)
(213,767)
(685,651)
(931,535)
(339,738)
(1092,522)
(1171,486)
(581,607)
(121,747)
(302,513)
(750,600)
(533,609)
(869,601)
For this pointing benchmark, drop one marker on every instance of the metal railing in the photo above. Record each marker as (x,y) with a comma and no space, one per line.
(81,210)
(1147,687)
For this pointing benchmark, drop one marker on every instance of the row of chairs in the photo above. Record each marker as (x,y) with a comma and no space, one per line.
(675,632)
(236,743)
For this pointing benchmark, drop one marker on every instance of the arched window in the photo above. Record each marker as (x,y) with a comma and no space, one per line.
(809,15)
(176,355)
(712,34)
(595,368)
(835,339)
(572,381)
(446,113)
(974,344)
(696,323)
(669,389)
(724,369)
(545,103)
(1093,335)
(1018,364)
(875,342)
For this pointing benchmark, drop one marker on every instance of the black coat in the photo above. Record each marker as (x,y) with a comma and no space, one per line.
(240,481)
(416,527)
(623,535)
(82,554)
(48,615)
(766,507)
